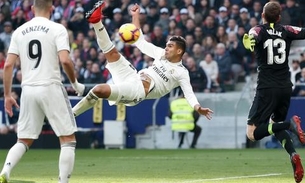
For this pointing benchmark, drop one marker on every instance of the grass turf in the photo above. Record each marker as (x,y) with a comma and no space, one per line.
(159,166)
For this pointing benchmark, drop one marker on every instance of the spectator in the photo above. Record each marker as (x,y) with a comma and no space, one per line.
(5,9)
(183,17)
(7,34)
(234,14)
(77,23)
(222,18)
(257,11)
(224,62)
(232,26)
(197,53)
(198,34)
(164,19)
(202,8)
(152,15)
(236,51)
(157,36)
(295,71)
(19,19)
(209,44)
(293,12)
(137,59)
(221,35)
(171,27)
(244,19)
(198,77)
(189,38)
(299,89)
(95,75)
(184,118)
(190,26)
(210,67)
(209,27)
(117,21)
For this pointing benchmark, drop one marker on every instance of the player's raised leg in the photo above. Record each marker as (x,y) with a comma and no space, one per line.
(94,16)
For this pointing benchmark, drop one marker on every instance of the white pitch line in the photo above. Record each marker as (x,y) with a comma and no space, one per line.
(237,177)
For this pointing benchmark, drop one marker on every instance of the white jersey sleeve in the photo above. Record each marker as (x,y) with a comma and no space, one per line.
(148,48)
(187,89)
(13,48)
(62,40)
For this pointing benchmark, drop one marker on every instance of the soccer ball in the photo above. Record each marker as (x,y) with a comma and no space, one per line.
(129,33)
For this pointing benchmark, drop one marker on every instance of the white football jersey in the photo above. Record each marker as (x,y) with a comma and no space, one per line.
(166,75)
(37,43)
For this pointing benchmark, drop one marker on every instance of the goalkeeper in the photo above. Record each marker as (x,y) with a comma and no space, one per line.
(271,44)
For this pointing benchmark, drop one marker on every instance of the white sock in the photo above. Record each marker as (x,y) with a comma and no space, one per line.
(66,161)
(103,39)
(85,104)
(13,157)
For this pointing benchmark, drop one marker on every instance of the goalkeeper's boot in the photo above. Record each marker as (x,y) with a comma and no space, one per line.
(95,15)
(297,167)
(295,127)
(3,179)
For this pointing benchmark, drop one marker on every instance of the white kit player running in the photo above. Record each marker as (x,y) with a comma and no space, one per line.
(130,87)
(41,44)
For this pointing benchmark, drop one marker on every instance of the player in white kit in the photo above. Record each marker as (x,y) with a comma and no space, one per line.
(130,87)
(41,46)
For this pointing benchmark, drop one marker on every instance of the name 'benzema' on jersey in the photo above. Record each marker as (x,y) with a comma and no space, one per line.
(35,28)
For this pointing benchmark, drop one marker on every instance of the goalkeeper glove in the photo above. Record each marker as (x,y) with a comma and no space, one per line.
(249,42)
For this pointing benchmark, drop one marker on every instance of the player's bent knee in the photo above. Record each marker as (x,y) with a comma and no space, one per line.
(250,136)
(67,139)
(102,90)
(113,55)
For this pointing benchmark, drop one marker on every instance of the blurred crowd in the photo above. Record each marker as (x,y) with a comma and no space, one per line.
(213,29)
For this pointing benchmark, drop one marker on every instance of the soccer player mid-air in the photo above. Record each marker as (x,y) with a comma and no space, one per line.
(130,87)
(41,44)
(271,44)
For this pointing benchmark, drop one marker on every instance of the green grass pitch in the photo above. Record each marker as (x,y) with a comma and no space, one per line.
(159,166)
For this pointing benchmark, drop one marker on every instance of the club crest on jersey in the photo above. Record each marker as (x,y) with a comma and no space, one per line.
(171,71)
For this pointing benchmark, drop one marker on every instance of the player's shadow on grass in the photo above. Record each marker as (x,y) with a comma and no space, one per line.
(21,181)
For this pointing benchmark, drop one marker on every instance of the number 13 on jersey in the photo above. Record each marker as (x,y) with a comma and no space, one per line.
(279,55)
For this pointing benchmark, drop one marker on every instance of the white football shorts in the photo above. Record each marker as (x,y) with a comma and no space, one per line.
(128,87)
(45,100)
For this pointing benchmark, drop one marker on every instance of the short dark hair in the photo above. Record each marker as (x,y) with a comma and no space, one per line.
(43,4)
(272,11)
(180,42)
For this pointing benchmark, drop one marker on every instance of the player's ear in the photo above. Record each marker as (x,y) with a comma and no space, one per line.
(279,19)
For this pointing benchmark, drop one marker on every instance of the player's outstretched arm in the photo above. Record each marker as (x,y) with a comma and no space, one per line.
(68,67)
(204,111)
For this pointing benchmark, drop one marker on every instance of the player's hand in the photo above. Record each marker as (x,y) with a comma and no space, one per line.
(9,102)
(249,42)
(206,112)
(135,9)
(79,88)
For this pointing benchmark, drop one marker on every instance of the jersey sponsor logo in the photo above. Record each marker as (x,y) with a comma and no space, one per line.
(34,29)
(161,73)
